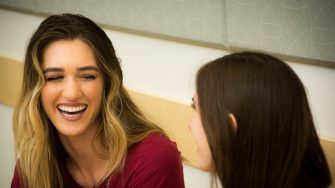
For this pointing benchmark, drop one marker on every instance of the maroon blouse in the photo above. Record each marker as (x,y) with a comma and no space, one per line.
(154,162)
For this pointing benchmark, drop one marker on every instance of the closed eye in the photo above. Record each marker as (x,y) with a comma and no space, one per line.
(89,77)
(54,78)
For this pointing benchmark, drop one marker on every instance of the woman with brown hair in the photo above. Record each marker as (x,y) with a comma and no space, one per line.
(75,124)
(253,125)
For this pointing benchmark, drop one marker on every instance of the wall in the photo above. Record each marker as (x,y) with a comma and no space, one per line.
(7,162)
(294,29)
(161,68)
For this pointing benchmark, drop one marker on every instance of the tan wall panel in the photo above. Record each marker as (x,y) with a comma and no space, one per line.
(10,80)
(329,149)
(172,116)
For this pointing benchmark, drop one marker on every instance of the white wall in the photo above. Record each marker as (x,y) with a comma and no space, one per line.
(166,69)
(7,162)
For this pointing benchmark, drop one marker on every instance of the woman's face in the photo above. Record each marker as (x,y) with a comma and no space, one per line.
(198,132)
(72,94)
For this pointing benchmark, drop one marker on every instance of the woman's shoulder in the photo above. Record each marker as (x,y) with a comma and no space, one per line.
(153,162)
(154,145)
(156,139)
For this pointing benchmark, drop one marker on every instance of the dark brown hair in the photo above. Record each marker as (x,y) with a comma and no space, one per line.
(275,143)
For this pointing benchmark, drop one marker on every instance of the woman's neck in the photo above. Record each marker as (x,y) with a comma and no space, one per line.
(84,165)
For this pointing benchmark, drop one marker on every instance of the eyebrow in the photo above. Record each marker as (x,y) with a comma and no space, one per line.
(88,68)
(53,70)
(85,68)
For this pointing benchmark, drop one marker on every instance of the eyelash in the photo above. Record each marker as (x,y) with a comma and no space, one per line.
(89,77)
(192,106)
(53,78)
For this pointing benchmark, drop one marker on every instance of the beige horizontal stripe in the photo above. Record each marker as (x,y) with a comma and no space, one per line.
(11,72)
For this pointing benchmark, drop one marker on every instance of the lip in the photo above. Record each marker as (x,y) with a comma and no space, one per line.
(71,104)
(71,116)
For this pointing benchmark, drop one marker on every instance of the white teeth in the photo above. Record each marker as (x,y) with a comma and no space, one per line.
(71,108)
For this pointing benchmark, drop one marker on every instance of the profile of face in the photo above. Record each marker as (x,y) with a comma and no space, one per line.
(72,94)
(198,132)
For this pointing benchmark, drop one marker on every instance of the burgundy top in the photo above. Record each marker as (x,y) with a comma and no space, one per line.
(154,162)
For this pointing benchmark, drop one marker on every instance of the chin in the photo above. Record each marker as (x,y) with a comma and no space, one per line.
(204,166)
(69,133)
(69,130)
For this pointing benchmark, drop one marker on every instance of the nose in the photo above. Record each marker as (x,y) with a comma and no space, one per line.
(72,90)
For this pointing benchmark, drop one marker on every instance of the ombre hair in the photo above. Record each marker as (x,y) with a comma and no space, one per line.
(39,151)
(275,143)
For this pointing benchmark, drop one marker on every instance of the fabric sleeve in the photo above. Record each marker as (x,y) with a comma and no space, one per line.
(16,181)
(158,166)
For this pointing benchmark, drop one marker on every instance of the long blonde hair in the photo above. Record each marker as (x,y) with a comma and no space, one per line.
(38,149)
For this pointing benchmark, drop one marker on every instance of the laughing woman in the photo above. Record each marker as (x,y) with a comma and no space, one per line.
(75,125)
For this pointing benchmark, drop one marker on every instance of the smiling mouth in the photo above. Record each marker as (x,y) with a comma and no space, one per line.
(72,112)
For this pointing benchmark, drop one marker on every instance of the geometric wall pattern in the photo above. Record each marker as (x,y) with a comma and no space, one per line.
(298,28)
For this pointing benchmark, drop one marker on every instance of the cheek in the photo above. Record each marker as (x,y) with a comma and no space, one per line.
(48,94)
(201,139)
(205,155)
(194,126)
(94,91)
(197,129)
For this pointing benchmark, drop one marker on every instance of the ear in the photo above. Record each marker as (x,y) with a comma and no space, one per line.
(233,121)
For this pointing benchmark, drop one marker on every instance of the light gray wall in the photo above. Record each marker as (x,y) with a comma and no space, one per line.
(195,19)
(7,161)
(304,28)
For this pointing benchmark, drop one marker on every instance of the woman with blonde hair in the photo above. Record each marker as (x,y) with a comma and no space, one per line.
(253,125)
(75,124)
